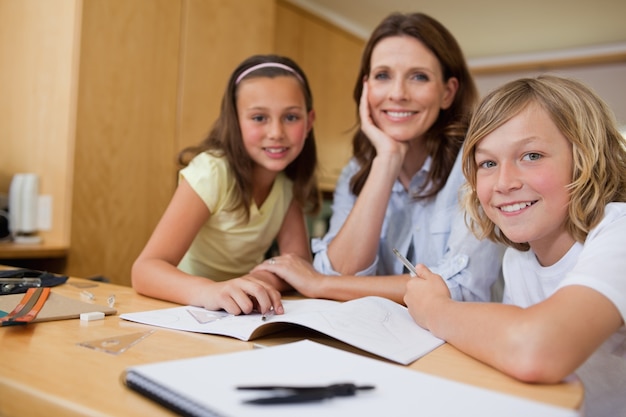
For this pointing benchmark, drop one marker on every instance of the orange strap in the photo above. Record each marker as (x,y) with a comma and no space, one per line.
(28,307)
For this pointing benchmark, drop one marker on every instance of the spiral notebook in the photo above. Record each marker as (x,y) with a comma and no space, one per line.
(207,386)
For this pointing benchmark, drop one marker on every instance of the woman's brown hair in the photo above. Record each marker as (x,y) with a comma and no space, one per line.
(445,138)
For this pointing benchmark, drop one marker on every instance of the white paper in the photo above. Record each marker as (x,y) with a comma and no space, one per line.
(374,324)
(210,382)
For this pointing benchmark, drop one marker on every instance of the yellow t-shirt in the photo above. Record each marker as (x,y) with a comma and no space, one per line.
(227,246)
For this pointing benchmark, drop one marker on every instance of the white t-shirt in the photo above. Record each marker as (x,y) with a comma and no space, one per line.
(599,263)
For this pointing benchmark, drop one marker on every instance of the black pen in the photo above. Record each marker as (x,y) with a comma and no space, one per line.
(304,394)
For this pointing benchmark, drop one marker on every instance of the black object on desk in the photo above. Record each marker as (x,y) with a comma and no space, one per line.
(29,278)
(303,394)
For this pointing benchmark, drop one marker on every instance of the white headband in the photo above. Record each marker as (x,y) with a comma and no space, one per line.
(267,65)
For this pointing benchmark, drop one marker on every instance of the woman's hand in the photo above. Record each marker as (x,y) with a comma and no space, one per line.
(383,143)
(423,293)
(296,271)
(273,280)
(242,296)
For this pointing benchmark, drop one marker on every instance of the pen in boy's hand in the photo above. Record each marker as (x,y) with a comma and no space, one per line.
(406,262)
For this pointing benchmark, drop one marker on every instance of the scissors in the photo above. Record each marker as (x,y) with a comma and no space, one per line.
(302,394)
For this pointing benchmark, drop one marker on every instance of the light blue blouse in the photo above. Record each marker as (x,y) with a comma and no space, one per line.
(432,232)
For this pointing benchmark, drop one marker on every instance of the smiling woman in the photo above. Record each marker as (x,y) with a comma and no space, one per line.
(406,90)
(400,190)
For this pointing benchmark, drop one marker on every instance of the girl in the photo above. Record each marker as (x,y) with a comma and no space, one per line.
(400,190)
(246,186)
(546,172)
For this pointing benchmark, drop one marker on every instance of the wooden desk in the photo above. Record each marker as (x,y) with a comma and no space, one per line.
(45,373)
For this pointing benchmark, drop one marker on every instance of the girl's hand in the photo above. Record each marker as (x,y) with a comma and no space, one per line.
(423,293)
(383,143)
(296,271)
(242,296)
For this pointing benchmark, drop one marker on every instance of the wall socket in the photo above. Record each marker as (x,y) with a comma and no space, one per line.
(44,212)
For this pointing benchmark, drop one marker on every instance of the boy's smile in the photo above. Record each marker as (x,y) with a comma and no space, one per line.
(524,169)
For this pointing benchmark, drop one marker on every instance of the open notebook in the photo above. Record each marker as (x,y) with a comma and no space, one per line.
(374,324)
(206,386)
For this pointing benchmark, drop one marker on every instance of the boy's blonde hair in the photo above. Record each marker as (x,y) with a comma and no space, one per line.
(598,149)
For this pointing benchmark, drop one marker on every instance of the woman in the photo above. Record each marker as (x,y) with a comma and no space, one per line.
(401,188)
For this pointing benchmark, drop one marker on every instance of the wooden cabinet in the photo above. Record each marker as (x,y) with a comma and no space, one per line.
(39,43)
(330,57)
(151,78)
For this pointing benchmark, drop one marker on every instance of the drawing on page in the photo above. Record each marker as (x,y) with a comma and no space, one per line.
(367,323)
(162,318)
(207,316)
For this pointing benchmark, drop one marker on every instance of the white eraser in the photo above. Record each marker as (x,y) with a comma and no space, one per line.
(94,315)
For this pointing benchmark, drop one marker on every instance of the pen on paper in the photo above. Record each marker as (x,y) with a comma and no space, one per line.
(406,262)
(268,314)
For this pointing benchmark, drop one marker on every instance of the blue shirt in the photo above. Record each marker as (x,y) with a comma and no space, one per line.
(430,231)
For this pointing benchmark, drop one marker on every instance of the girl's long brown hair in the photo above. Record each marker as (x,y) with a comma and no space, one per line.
(225,139)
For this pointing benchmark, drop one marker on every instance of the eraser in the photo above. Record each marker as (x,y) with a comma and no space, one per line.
(94,315)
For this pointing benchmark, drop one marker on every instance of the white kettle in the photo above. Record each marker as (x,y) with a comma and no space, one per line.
(23,204)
